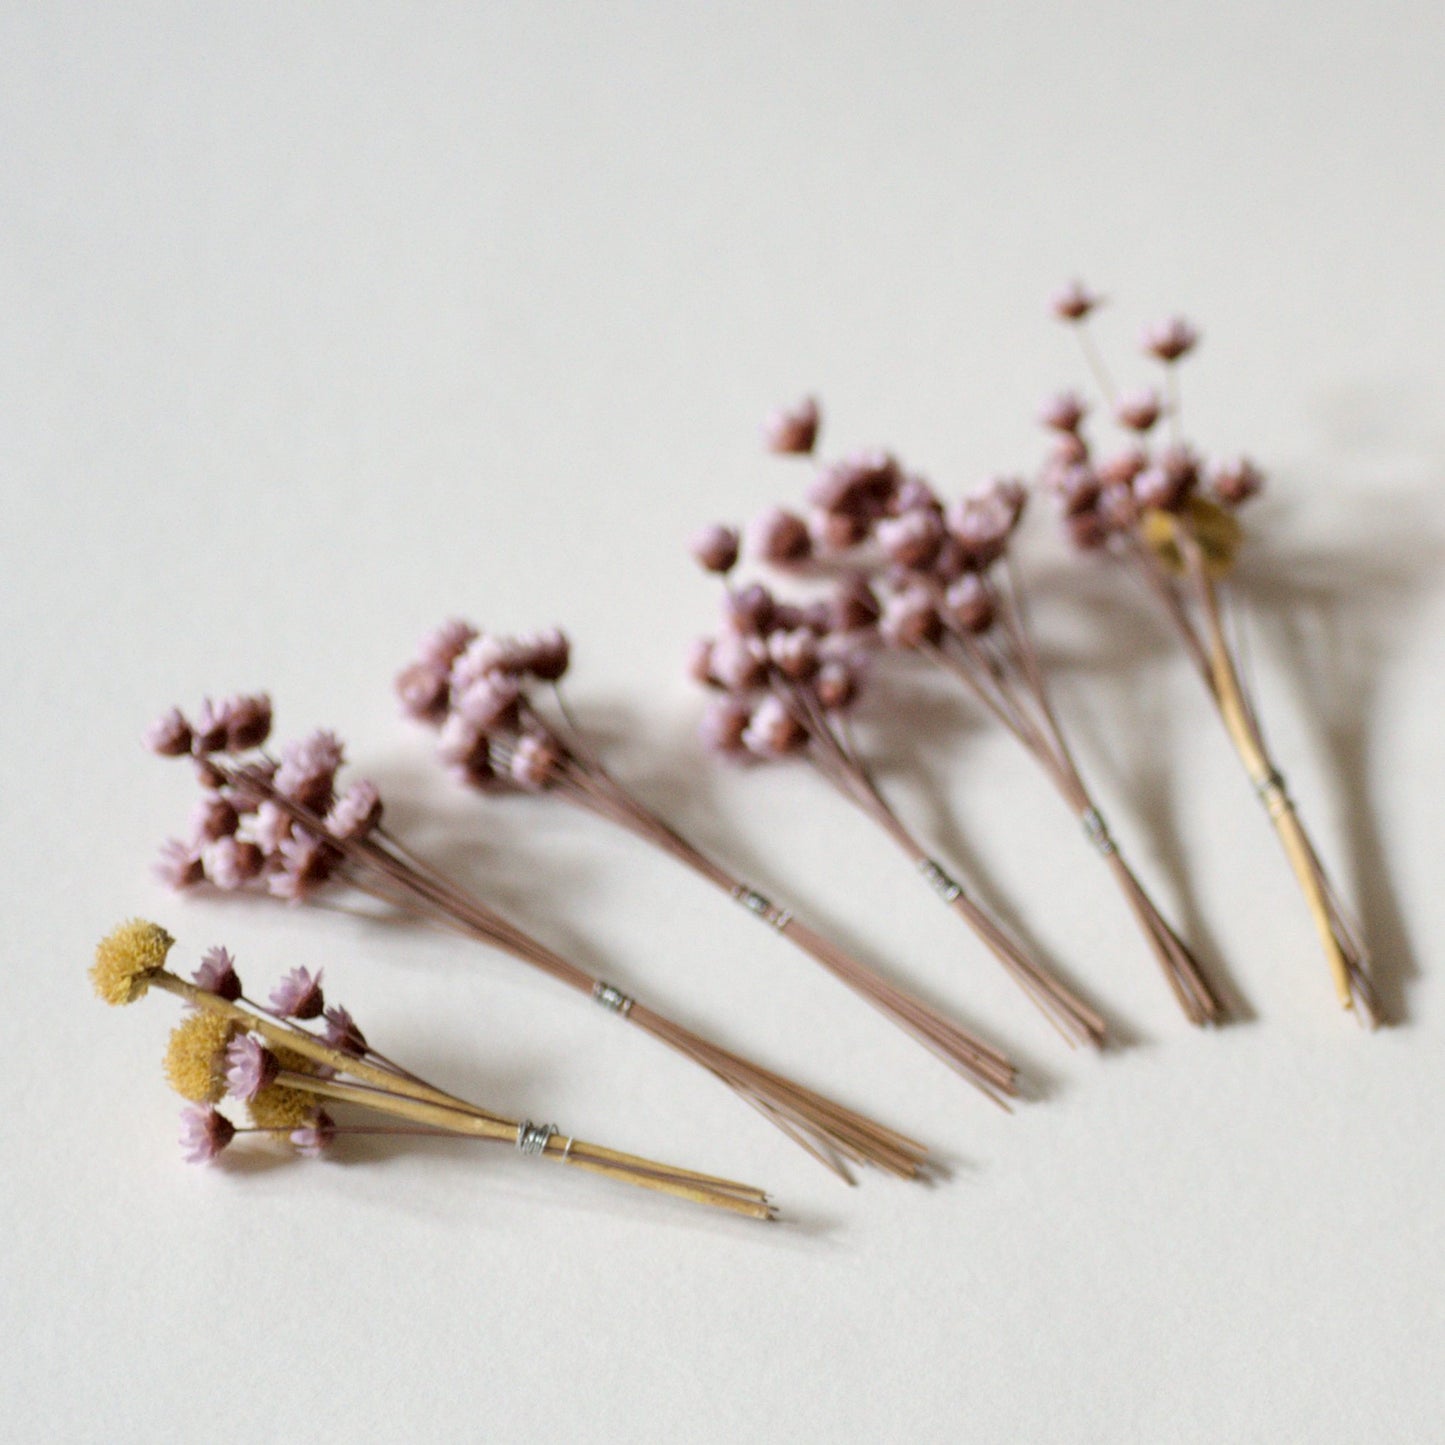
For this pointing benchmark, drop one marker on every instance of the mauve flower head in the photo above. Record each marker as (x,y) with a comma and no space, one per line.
(305,863)
(854,605)
(356,812)
(205,1132)
(1237,481)
(793,429)
(779,536)
(443,645)
(951,563)
(422,690)
(534,762)
(1063,412)
(836,684)
(487,656)
(739,663)
(698,664)
(981,525)
(970,603)
(1074,301)
(208,775)
(795,653)
(773,731)
(1170,339)
(1139,410)
(748,611)
(250,1066)
(179,864)
(342,1033)
(491,702)
(715,548)
(909,619)
(298,995)
(212,817)
(1122,467)
(1011,495)
(460,741)
(547,654)
(248,720)
(217,974)
(1117,507)
(269,827)
(208,734)
(307,773)
(1077,488)
(1068,449)
(914,494)
(1170,479)
(723,723)
(169,735)
(231,863)
(316,1136)
(913,538)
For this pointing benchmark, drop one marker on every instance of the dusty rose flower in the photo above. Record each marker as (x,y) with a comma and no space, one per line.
(169,735)
(491,702)
(1168,481)
(836,531)
(179,865)
(248,720)
(738,663)
(308,770)
(487,656)
(1077,488)
(356,812)
(212,817)
(547,654)
(534,762)
(422,691)
(231,863)
(699,661)
(269,827)
(970,603)
(723,723)
(778,535)
(792,429)
(773,731)
(912,539)
(794,654)
(716,548)
(208,735)
(298,995)
(443,645)
(1073,302)
(305,864)
(205,1132)
(909,618)
(981,526)
(250,1066)
(854,605)
(1063,412)
(217,974)
(1170,339)
(749,610)
(1121,468)
(341,1032)
(1118,510)
(316,1136)
(460,741)
(1237,481)
(914,495)
(1139,410)
(1010,494)
(836,684)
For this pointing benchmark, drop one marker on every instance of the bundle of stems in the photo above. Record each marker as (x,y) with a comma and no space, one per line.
(1170,518)
(788,675)
(282,829)
(286,1073)
(526,751)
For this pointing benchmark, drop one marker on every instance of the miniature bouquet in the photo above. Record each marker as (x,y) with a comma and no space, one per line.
(262,1057)
(1160,510)
(941,582)
(479,692)
(787,674)
(277,825)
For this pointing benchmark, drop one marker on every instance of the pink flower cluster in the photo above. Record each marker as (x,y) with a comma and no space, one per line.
(244,831)
(472,687)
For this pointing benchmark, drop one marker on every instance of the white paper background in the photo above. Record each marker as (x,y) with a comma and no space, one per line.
(319,323)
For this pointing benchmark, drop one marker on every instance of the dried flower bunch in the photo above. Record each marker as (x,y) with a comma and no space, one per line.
(260,1056)
(787,673)
(278,825)
(1168,515)
(480,692)
(941,582)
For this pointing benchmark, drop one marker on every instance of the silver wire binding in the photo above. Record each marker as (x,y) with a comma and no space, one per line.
(612,998)
(1097,831)
(754,902)
(532,1138)
(946,888)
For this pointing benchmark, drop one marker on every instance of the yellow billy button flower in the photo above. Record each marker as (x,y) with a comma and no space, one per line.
(127,959)
(196,1057)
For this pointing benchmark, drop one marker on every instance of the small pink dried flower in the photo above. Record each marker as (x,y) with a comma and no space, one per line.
(217,974)
(209,734)
(1063,412)
(1074,301)
(1170,339)
(231,863)
(1237,481)
(547,654)
(723,723)
(912,539)
(716,548)
(298,995)
(169,735)
(779,536)
(305,864)
(970,603)
(491,702)
(794,429)
(205,1132)
(248,720)
(250,1067)
(773,731)
(1139,410)
(443,645)
(794,654)
(739,663)
(212,817)
(179,865)
(422,690)
(534,762)
(909,619)
(316,1136)
(836,684)
(356,812)
(341,1032)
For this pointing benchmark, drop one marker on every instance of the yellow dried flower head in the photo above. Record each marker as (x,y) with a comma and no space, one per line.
(127,957)
(196,1057)
(279,1107)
